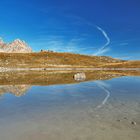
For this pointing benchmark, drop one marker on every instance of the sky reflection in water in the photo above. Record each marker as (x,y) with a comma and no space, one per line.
(70,105)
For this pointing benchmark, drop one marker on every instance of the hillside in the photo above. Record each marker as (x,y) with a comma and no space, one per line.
(53,59)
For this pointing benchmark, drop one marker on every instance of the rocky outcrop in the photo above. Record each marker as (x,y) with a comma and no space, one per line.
(17,46)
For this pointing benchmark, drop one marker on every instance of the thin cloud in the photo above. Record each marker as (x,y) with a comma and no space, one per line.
(124,57)
(57,43)
(123,44)
(71,46)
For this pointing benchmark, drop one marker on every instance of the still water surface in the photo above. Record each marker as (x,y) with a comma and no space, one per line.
(95,109)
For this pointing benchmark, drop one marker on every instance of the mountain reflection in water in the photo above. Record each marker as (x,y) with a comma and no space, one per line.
(17,90)
(18,83)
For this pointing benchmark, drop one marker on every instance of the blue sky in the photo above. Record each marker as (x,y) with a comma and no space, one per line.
(93,27)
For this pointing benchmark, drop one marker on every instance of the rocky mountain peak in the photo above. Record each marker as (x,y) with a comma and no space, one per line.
(18,41)
(17,46)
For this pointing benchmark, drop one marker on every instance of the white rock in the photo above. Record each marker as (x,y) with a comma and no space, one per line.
(80,76)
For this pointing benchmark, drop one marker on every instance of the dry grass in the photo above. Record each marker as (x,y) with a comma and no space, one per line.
(53,59)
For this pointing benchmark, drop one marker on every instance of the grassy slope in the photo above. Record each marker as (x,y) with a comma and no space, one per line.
(53,59)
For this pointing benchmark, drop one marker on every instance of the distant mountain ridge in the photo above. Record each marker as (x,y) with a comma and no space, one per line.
(17,46)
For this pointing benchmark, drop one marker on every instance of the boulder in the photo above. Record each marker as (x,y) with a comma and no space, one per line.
(80,76)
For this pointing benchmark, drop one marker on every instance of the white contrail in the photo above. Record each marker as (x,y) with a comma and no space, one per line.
(104,47)
(106,98)
(105,87)
(105,35)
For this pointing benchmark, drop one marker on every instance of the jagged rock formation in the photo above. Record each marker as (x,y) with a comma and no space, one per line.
(17,46)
